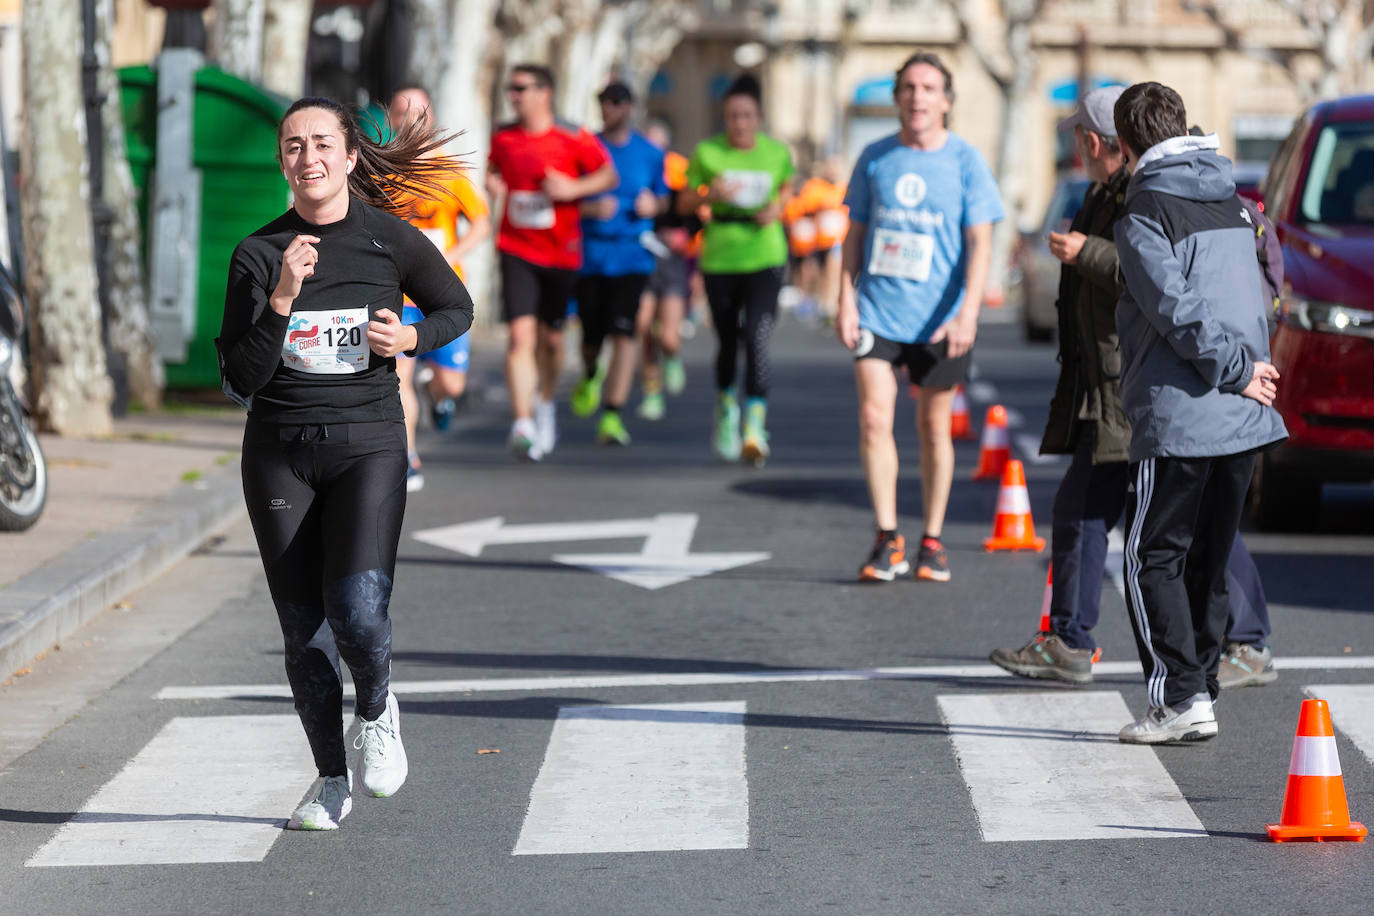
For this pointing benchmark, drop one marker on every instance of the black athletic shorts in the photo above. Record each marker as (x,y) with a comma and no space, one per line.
(669,277)
(529,289)
(928,364)
(609,305)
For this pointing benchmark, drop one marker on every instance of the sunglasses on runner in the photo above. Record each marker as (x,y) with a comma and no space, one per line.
(518,88)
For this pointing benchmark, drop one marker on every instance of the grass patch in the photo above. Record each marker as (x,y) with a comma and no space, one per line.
(191,476)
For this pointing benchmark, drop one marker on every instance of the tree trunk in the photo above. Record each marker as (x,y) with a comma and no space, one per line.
(285,33)
(131,333)
(1010,166)
(73,390)
(432,31)
(236,41)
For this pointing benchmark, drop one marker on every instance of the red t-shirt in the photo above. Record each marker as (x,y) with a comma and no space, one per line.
(534,227)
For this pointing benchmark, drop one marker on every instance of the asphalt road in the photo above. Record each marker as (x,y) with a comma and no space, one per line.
(734,742)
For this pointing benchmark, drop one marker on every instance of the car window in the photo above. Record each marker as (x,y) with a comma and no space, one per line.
(1281,167)
(1064,205)
(1339,186)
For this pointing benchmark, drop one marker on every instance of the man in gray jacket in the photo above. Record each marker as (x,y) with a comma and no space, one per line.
(1197,389)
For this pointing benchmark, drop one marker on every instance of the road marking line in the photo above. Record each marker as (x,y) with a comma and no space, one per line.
(1352,711)
(711,678)
(1036,765)
(640,779)
(204,789)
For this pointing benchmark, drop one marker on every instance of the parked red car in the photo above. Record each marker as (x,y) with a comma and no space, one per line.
(1320,194)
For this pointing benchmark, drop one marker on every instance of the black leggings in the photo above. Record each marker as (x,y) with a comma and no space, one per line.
(755,296)
(326,503)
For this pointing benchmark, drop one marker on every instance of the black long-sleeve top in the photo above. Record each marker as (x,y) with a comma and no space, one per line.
(314,365)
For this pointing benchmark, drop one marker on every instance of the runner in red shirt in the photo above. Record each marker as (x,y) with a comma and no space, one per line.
(540,167)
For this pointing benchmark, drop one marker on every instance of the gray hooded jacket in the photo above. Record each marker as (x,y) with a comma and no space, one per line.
(1192,319)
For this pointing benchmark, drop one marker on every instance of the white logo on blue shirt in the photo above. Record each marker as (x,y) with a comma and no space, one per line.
(910,190)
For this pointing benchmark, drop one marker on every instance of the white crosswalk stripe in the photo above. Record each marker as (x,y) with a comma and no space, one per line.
(641,779)
(207,789)
(1036,765)
(1352,712)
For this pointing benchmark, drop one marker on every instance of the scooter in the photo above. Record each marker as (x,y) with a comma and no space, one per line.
(23,470)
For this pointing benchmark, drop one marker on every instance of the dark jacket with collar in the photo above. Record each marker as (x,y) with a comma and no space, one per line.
(1089,388)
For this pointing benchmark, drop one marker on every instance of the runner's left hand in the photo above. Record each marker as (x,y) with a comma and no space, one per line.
(771,213)
(959,333)
(387,336)
(559,186)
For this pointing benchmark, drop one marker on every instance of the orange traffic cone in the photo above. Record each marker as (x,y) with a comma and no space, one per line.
(1013,529)
(1314,805)
(1045,604)
(959,425)
(996,449)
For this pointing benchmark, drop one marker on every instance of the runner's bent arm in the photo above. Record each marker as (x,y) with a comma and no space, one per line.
(435,289)
(961,330)
(253,328)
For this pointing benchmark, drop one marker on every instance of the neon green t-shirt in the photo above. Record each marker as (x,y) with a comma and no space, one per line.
(740,247)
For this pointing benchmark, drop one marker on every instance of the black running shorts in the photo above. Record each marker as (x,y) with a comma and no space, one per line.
(529,289)
(929,365)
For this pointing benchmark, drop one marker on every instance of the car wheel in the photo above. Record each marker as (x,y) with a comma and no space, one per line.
(1284,500)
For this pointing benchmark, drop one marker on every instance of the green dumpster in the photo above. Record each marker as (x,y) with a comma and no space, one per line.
(234,136)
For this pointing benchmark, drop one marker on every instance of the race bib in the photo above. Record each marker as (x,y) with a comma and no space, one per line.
(327,342)
(530,210)
(906,255)
(751,189)
(438,238)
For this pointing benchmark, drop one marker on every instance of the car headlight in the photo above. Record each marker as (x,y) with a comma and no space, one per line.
(1328,317)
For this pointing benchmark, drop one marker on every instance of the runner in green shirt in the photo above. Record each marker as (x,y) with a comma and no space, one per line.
(746,177)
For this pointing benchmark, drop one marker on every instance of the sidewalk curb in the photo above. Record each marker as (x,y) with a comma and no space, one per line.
(41,609)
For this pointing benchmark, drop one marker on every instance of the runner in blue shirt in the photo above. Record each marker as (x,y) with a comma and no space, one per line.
(921,207)
(615,265)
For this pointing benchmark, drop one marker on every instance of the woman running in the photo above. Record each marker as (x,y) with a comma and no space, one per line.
(745,175)
(311,332)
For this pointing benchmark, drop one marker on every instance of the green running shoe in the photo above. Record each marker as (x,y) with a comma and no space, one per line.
(674,375)
(651,408)
(610,430)
(586,397)
(755,448)
(726,441)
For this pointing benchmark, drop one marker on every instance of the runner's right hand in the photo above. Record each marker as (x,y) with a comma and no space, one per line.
(297,263)
(847,320)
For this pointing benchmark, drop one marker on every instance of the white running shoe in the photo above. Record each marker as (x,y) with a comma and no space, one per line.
(1170,725)
(382,766)
(330,800)
(524,440)
(546,422)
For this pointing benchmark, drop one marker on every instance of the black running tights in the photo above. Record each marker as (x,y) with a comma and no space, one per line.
(326,503)
(755,297)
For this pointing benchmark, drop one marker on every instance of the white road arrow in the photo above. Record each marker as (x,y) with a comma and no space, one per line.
(665,559)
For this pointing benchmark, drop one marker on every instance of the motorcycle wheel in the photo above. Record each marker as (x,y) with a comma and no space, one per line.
(20,506)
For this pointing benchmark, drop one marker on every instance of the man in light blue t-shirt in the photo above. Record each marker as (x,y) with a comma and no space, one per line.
(921,207)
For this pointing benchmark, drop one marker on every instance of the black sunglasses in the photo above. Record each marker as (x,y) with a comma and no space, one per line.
(521,87)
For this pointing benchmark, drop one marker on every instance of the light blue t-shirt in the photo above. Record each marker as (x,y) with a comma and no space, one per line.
(916,205)
(610,247)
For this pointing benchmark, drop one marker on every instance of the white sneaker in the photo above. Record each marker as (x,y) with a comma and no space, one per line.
(546,422)
(1170,725)
(330,800)
(382,766)
(524,440)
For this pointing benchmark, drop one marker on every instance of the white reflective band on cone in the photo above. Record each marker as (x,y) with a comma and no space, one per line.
(1013,501)
(996,437)
(1314,756)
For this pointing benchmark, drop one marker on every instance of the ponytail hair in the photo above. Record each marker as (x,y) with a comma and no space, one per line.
(393,171)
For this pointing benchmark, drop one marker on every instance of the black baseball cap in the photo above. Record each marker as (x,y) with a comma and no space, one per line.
(616,92)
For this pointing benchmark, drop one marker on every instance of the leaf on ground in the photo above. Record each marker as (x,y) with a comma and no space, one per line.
(488,750)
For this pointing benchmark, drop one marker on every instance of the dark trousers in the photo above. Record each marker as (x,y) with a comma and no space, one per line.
(751,300)
(1181,522)
(1089,503)
(326,503)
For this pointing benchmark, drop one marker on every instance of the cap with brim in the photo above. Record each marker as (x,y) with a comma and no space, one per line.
(1096,112)
(615,92)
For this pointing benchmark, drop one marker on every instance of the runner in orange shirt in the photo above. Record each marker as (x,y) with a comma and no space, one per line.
(440,221)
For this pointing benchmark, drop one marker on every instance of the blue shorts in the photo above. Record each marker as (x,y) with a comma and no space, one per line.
(453,355)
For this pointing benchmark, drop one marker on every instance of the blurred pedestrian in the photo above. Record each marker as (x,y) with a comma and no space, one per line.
(540,168)
(442,221)
(616,264)
(1197,389)
(747,178)
(311,331)
(921,207)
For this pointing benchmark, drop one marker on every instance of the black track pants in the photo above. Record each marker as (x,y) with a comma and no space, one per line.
(1181,519)
(755,296)
(326,503)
